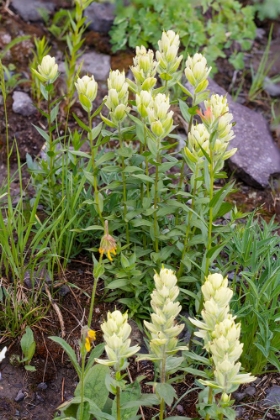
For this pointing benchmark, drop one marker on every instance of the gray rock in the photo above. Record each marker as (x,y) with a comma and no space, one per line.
(64,290)
(100,16)
(273,396)
(42,386)
(93,63)
(257,157)
(97,64)
(20,395)
(28,10)
(273,89)
(22,104)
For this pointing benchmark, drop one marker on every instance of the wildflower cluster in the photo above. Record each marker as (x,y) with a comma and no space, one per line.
(116,332)
(47,70)
(221,335)
(87,91)
(213,135)
(197,72)
(117,99)
(144,69)
(163,328)
(167,56)
(160,118)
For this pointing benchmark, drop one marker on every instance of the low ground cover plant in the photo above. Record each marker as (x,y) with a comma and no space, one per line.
(119,187)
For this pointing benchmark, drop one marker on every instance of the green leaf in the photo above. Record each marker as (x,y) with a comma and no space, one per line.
(69,351)
(131,393)
(108,122)
(184,89)
(173,363)
(133,169)
(104,158)
(79,153)
(184,111)
(116,284)
(140,222)
(81,123)
(30,368)
(54,112)
(94,354)
(143,177)
(94,388)
(200,97)
(95,132)
(28,344)
(166,392)
(43,133)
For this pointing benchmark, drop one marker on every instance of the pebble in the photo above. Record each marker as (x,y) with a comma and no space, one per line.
(22,104)
(20,395)
(64,290)
(42,386)
(100,16)
(28,10)
(97,64)
(273,396)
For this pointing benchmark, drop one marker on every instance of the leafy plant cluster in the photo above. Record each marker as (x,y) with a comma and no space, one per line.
(118,186)
(210,27)
(267,9)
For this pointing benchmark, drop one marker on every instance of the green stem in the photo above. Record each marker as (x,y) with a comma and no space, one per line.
(124,186)
(162,380)
(4,93)
(210,221)
(51,148)
(92,301)
(156,200)
(210,401)
(94,171)
(82,385)
(188,228)
(118,402)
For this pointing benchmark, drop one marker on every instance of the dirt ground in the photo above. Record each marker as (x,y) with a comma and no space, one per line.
(36,395)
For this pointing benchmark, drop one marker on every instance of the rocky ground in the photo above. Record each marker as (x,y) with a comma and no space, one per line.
(256,165)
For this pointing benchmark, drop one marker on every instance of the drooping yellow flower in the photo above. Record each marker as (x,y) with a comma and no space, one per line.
(90,337)
(108,244)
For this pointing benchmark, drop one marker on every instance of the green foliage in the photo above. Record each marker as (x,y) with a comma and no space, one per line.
(267,9)
(210,27)
(253,254)
(28,347)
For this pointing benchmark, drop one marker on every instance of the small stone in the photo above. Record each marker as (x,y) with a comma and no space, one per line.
(250,390)
(20,396)
(23,104)
(97,64)
(180,409)
(100,16)
(39,398)
(273,396)
(64,290)
(28,10)
(239,396)
(42,386)
(273,89)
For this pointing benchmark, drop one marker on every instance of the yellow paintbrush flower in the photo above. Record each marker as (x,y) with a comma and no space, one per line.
(108,244)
